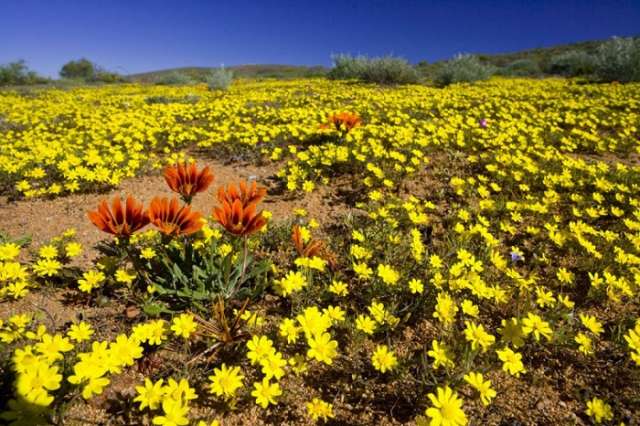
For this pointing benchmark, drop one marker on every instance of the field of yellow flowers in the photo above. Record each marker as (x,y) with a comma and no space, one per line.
(473,255)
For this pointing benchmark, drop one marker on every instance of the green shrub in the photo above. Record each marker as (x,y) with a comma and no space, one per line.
(17,73)
(571,64)
(347,67)
(82,69)
(219,79)
(189,99)
(389,70)
(85,70)
(429,71)
(108,77)
(618,59)
(462,69)
(175,78)
(520,68)
(383,70)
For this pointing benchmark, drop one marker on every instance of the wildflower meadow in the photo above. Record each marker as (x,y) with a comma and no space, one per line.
(315,251)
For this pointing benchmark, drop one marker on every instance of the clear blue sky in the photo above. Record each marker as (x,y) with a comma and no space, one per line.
(143,35)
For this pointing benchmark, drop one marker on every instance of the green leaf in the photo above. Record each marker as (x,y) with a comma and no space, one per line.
(154,309)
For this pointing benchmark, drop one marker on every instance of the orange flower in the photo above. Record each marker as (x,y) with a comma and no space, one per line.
(247,194)
(239,219)
(172,219)
(314,248)
(343,121)
(120,220)
(186,180)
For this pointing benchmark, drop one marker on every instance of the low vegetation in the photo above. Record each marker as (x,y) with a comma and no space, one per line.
(602,61)
(263,71)
(618,60)
(572,64)
(383,70)
(175,78)
(18,74)
(462,69)
(219,79)
(86,71)
(520,68)
(598,61)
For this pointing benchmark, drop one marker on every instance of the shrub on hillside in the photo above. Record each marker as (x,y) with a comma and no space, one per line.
(571,64)
(85,70)
(383,70)
(520,68)
(17,73)
(389,70)
(618,59)
(82,69)
(346,67)
(175,78)
(428,71)
(462,69)
(219,79)
(108,77)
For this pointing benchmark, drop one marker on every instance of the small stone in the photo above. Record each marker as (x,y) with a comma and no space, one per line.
(132,311)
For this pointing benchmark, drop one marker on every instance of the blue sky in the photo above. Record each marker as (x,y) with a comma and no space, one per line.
(143,35)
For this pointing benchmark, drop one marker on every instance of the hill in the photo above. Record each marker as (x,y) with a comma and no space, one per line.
(247,71)
(540,55)
(541,61)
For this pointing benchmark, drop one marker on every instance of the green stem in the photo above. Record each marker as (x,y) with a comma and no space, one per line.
(245,253)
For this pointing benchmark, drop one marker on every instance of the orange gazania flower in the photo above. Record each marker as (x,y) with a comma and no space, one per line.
(120,220)
(172,219)
(247,194)
(239,219)
(343,121)
(186,180)
(313,248)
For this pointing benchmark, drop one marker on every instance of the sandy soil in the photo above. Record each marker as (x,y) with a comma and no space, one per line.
(42,219)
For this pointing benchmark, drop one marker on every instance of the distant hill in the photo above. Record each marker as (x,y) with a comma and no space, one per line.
(540,55)
(247,71)
(528,62)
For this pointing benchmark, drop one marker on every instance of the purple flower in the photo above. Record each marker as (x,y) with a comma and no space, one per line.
(483,123)
(516,256)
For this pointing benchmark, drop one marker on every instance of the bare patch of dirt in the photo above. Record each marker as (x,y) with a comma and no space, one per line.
(51,306)
(44,219)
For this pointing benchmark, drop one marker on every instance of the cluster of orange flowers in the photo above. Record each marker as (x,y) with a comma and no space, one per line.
(343,121)
(237,213)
